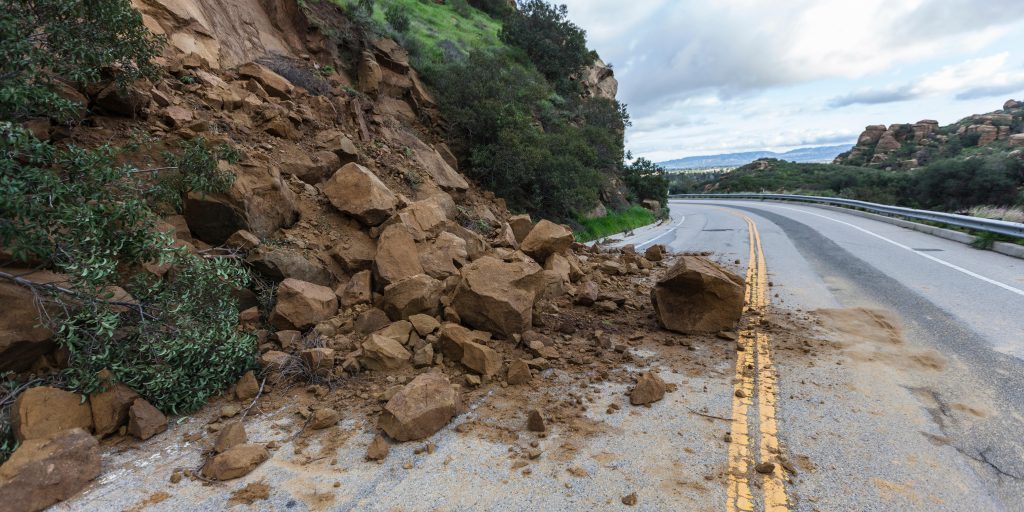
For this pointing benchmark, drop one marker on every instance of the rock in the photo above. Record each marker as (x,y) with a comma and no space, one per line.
(378,449)
(259,201)
(356,191)
(518,373)
(587,293)
(398,331)
(177,116)
(323,418)
(421,408)
(338,143)
(110,406)
(606,306)
(371,320)
(480,358)
(655,253)
(319,360)
(397,256)
(453,337)
(357,291)
(521,226)
(370,74)
(629,499)
(236,462)
(560,266)
(243,240)
(698,296)
(423,356)
(301,304)
(1016,140)
(247,387)
(419,294)
(427,218)
(232,435)
(47,470)
(1011,105)
(274,360)
(144,420)
(535,421)
(382,353)
(43,411)
(424,324)
(442,257)
(649,389)
(497,296)
(765,468)
(275,84)
(122,100)
(284,263)
(22,339)
(547,238)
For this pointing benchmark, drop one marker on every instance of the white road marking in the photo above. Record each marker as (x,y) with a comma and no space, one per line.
(921,254)
(659,237)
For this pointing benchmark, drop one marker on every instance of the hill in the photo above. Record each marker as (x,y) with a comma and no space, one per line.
(811,154)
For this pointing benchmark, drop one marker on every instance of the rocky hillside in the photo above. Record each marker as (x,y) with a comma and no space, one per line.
(908,146)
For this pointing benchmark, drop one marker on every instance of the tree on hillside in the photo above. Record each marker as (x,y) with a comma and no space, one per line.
(556,45)
(647,180)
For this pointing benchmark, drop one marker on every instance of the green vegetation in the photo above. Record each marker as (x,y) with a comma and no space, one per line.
(555,45)
(615,222)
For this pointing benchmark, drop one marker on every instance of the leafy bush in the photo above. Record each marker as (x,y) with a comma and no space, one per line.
(398,17)
(647,180)
(556,45)
(172,338)
(958,184)
(73,39)
(496,8)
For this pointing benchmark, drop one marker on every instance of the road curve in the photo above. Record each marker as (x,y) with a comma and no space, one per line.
(929,418)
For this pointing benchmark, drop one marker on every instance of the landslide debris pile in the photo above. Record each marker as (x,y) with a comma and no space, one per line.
(378,262)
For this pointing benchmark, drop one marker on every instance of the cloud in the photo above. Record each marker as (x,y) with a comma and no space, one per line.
(971,79)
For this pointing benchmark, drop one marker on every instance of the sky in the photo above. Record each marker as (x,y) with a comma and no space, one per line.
(722,76)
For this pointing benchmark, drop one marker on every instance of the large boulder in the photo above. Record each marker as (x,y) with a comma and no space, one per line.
(383,353)
(412,295)
(301,304)
(698,296)
(258,201)
(443,256)
(497,296)
(22,338)
(275,84)
(236,462)
(428,217)
(547,238)
(48,470)
(421,408)
(521,226)
(397,255)
(355,190)
(358,290)
(284,263)
(44,411)
(481,359)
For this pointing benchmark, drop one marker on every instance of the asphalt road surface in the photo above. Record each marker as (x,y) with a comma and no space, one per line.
(922,407)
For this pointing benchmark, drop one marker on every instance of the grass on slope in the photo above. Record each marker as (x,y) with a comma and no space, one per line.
(615,222)
(438,28)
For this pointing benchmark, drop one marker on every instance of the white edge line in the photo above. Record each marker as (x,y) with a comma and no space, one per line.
(663,235)
(928,256)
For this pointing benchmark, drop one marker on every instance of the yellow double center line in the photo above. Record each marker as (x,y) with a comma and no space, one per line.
(755,377)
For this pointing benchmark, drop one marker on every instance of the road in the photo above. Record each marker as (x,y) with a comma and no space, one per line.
(922,405)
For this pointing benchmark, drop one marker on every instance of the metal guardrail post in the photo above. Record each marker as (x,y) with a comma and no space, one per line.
(1000,227)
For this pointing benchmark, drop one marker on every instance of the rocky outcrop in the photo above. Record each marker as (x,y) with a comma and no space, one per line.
(599,81)
(698,296)
(49,469)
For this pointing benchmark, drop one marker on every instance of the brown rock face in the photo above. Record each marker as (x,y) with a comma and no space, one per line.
(44,411)
(655,253)
(110,408)
(47,470)
(259,201)
(547,238)
(275,84)
(419,294)
(649,389)
(521,226)
(421,408)
(358,289)
(236,462)
(22,341)
(397,255)
(497,296)
(383,353)
(698,296)
(300,305)
(355,190)
(145,421)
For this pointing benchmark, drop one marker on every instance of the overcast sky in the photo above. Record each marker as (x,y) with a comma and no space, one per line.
(718,76)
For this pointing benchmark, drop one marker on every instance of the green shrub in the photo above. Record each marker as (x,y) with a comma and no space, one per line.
(86,216)
(398,17)
(646,180)
(556,45)
(73,39)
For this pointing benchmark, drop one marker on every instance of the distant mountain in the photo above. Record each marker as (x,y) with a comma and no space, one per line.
(803,155)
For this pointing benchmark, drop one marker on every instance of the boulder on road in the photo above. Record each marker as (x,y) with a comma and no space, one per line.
(355,190)
(698,296)
(419,294)
(110,405)
(649,388)
(236,462)
(547,238)
(481,359)
(47,470)
(144,420)
(421,408)
(44,411)
(497,296)
(301,304)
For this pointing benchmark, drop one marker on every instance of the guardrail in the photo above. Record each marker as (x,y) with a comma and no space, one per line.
(1001,227)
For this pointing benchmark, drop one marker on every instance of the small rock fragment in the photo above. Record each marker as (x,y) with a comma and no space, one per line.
(535,421)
